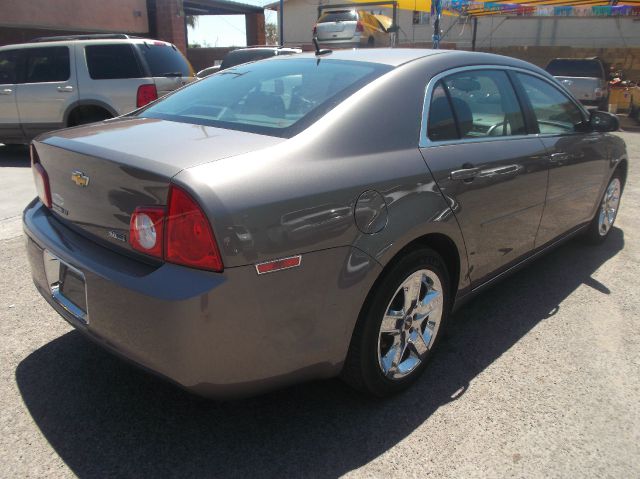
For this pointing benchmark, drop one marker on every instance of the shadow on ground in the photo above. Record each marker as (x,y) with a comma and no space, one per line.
(14,155)
(106,418)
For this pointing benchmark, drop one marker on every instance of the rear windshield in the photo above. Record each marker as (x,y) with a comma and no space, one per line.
(338,16)
(164,60)
(575,68)
(274,97)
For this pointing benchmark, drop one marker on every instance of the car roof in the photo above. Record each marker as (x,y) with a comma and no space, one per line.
(92,41)
(398,56)
(386,56)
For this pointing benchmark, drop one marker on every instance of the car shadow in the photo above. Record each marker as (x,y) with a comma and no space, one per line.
(107,418)
(14,155)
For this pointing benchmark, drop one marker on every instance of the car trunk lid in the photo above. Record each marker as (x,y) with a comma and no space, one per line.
(100,173)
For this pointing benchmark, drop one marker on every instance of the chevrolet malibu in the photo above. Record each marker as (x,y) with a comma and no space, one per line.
(314,216)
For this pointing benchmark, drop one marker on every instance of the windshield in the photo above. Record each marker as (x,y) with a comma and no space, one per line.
(164,60)
(575,68)
(272,97)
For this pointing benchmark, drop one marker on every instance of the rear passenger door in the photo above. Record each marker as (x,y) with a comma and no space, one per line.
(49,87)
(577,157)
(491,171)
(111,77)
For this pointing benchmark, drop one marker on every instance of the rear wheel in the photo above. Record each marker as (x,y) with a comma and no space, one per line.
(602,223)
(371,43)
(400,325)
(87,114)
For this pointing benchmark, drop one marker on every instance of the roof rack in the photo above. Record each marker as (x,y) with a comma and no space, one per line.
(95,36)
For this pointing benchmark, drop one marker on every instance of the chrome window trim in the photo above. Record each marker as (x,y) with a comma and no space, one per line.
(426,142)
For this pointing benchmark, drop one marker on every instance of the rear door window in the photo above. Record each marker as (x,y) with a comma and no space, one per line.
(47,64)
(555,112)
(164,60)
(108,62)
(9,66)
(442,124)
(482,103)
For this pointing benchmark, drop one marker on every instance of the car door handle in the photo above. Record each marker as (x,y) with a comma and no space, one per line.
(6,91)
(65,89)
(502,170)
(464,174)
(558,157)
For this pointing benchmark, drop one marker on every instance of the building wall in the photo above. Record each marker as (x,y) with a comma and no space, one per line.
(126,16)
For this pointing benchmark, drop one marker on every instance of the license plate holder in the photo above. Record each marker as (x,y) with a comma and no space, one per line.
(67,286)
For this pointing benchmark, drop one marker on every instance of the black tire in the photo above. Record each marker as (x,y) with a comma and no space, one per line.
(593,234)
(362,369)
(371,43)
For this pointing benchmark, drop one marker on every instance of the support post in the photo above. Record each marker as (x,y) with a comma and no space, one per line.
(474,35)
(281,22)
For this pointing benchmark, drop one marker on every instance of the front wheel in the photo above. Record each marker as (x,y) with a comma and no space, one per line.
(400,325)
(602,223)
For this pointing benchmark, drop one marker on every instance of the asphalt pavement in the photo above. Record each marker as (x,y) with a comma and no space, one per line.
(537,377)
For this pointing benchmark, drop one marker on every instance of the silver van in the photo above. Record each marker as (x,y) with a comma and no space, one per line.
(57,82)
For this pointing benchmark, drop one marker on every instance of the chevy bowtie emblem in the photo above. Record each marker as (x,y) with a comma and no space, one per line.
(80,179)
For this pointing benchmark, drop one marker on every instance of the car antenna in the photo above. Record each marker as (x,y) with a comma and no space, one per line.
(319,51)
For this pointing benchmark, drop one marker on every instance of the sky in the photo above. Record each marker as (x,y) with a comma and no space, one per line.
(226,30)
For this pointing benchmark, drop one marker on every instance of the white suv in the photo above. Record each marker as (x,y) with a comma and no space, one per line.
(58,82)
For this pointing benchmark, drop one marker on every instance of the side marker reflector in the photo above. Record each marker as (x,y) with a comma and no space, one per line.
(279,264)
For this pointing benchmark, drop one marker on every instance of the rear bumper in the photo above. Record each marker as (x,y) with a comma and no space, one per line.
(219,335)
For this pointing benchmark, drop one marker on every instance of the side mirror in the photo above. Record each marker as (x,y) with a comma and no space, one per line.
(604,121)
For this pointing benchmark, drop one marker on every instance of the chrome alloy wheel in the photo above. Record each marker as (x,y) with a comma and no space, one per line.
(410,324)
(609,207)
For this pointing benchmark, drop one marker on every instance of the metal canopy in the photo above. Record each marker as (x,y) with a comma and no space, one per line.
(218,7)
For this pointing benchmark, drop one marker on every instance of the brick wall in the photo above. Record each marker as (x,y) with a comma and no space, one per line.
(170,24)
(124,16)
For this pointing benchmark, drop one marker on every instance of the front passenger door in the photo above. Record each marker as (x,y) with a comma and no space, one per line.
(576,158)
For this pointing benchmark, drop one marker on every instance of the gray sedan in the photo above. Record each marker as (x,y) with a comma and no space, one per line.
(313,216)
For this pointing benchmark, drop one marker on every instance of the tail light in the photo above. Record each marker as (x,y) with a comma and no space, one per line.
(189,238)
(40,178)
(315,30)
(146,94)
(146,230)
(359,26)
(178,234)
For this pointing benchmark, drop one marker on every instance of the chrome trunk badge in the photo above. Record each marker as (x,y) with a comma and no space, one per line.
(80,179)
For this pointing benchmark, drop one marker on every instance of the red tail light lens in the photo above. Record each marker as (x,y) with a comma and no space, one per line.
(40,178)
(359,27)
(146,230)
(189,240)
(146,94)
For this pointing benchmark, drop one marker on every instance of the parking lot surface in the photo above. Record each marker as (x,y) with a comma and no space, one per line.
(537,377)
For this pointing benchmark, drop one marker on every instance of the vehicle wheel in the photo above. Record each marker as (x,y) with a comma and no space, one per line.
(87,114)
(602,223)
(371,43)
(399,325)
